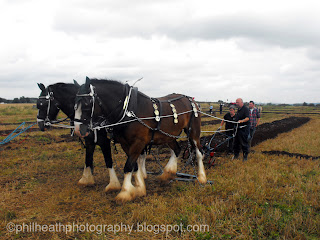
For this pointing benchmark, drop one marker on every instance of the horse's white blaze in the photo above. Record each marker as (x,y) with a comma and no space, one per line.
(142,165)
(128,191)
(172,165)
(114,183)
(77,115)
(87,177)
(201,173)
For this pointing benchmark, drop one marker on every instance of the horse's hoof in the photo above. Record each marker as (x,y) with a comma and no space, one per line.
(141,192)
(112,187)
(125,196)
(165,177)
(86,182)
(202,179)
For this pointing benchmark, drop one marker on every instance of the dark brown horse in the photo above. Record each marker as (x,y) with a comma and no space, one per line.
(124,109)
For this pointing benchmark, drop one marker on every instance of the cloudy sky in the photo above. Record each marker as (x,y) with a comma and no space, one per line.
(267,51)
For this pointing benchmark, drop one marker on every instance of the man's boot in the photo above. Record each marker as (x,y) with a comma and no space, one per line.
(245,156)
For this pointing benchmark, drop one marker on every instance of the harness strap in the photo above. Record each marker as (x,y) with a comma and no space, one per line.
(189,124)
(174,99)
(157,112)
(193,115)
(83,144)
(175,115)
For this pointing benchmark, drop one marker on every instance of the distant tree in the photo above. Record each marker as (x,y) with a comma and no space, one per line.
(283,105)
(311,104)
(304,104)
(16,100)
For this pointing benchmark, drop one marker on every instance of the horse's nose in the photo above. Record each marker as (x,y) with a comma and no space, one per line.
(84,131)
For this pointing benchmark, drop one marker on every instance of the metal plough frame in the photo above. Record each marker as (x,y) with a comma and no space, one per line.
(180,175)
(210,151)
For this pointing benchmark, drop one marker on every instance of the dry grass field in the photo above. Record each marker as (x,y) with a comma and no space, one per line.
(267,197)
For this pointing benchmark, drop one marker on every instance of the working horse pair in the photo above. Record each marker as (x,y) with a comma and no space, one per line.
(136,121)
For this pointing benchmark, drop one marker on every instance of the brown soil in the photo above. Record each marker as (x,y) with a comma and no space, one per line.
(297,155)
(264,132)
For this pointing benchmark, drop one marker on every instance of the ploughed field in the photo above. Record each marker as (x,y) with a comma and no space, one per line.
(274,195)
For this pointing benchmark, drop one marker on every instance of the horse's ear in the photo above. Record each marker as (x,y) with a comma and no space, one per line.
(88,81)
(76,83)
(41,86)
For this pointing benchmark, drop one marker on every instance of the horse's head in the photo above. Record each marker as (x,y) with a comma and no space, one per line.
(99,99)
(47,107)
(84,104)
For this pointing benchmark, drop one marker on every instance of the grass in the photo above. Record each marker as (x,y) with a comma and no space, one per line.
(268,197)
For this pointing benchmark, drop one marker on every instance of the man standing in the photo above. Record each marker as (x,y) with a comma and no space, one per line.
(230,116)
(241,138)
(254,116)
(210,109)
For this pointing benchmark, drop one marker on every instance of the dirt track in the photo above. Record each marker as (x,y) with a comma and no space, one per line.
(297,155)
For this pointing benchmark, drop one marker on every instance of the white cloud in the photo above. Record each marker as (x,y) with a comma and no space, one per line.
(267,51)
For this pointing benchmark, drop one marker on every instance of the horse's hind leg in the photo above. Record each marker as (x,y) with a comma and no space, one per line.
(104,143)
(194,139)
(201,172)
(142,164)
(87,177)
(140,175)
(170,169)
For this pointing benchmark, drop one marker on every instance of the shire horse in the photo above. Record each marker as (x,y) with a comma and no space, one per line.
(124,108)
(62,96)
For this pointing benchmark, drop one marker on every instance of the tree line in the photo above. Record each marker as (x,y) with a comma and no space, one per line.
(19,100)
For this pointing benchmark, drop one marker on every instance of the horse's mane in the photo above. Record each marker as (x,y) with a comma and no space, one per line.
(62,88)
(106,81)
(114,82)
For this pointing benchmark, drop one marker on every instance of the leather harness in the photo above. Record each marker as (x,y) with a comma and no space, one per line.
(157,105)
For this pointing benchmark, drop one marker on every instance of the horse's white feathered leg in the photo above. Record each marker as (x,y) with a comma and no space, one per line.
(201,172)
(87,177)
(170,169)
(143,165)
(128,191)
(114,184)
